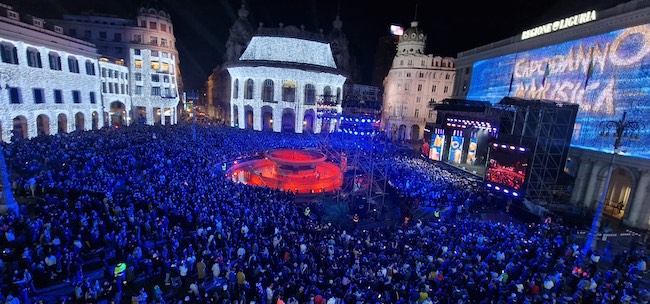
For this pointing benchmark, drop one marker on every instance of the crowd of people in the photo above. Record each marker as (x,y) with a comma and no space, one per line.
(151,210)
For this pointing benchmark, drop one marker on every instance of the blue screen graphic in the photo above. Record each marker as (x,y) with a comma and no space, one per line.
(605,75)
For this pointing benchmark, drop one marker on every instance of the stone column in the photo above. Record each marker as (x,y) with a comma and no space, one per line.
(640,195)
(591,194)
(162,115)
(582,178)
(150,115)
(257,119)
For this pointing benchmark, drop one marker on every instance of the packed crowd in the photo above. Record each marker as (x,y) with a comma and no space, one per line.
(154,206)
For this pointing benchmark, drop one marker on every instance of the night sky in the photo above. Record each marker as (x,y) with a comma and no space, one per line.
(201,26)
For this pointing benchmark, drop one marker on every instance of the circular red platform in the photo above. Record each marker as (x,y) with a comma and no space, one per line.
(299,171)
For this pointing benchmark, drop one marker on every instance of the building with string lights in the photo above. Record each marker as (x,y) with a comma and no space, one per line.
(595,58)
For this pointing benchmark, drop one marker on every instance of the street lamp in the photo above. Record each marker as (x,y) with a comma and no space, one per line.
(622,129)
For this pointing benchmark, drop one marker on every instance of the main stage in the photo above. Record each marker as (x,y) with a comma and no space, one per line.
(297,170)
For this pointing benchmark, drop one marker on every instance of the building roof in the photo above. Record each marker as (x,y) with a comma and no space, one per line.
(290,50)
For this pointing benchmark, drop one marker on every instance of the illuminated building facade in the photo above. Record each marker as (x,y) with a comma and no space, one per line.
(285,84)
(49,82)
(598,60)
(416,81)
(147,47)
(220,82)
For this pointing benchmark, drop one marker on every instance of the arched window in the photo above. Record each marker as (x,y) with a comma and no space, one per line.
(73,65)
(9,53)
(55,61)
(310,94)
(90,67)
(235,89)
(327,95)
(250,88)
(34,58)
(289,91)
(267,90)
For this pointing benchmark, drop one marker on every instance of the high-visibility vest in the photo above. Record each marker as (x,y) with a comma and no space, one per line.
(119,269)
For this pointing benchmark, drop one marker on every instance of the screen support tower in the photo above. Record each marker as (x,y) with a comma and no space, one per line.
(364,176)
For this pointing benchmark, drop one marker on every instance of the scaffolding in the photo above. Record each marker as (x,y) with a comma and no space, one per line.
(545,128)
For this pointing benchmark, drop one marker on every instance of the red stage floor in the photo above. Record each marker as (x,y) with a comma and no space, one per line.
(300,171)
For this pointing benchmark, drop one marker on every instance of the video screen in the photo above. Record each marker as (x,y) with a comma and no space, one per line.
(605,75)
(507,167)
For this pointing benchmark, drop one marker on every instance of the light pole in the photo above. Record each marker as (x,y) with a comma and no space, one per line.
(623,129)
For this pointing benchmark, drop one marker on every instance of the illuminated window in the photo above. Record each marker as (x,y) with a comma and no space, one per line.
(310,94)
(267,91)
(155,65)
(138,64)
(34,58)
(55,61)
(165,67)
(235,90)
(289,91)
(39,95)
(73,65)
(250,88)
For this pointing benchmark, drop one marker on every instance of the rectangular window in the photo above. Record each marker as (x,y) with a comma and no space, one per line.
(76,96)
(143,23)
(122,88)
(155,65)
(417,113)
(155,78)
(58,96)
(155,91)
(165,67)
(168,92)
(154,53)
(138,90)
(14,95)
(110,88)
(138,76)
(153,25)
(92,98)
(418,99)
(163,42)
(163,27)
(433,88)
(153,40)
(166,79)
(9,53)
(419,87)
(102,35)
(407,86)
(430,113)
(137,39)
(137,52)
(39,96)
(445,89)
(138,63)
(408,74)
(117,37)
(104,87)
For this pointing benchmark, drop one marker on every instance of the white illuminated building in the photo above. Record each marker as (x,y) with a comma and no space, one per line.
(49,82)
(283,83)
(115,91)
(415,82)
(147,47)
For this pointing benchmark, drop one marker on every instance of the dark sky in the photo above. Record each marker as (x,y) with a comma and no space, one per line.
(201,26)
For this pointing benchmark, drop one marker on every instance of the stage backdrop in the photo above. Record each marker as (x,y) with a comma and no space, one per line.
(606,75)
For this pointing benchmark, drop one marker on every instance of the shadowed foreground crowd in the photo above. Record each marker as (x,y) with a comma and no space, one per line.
(155,208)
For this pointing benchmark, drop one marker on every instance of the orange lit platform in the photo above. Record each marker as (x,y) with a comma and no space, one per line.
(299,171)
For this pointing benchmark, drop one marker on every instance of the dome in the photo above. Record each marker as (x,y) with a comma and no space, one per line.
(413,34)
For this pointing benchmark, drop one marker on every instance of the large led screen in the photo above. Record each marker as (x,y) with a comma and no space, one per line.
(507,168)
(605,75)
